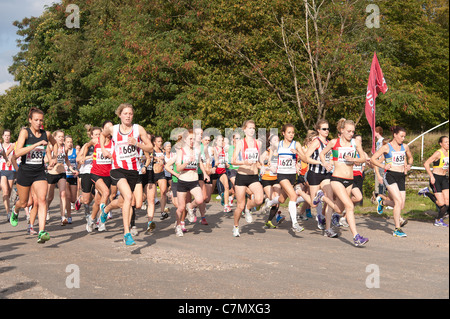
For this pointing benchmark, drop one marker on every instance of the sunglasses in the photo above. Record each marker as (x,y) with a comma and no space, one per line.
(325,129)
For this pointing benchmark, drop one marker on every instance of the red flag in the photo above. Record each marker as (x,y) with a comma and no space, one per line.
(376,84)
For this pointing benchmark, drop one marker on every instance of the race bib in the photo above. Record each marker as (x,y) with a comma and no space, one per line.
(251,154)
(125,151)
(398,158)
(445,165)
(36,156)
(344,152)
(101,159)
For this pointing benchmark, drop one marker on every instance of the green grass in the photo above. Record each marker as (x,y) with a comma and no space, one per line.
(416,207)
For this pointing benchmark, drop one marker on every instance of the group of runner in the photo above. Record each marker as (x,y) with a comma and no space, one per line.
(122,165)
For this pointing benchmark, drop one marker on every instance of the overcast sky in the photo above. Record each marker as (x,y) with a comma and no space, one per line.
(11,10)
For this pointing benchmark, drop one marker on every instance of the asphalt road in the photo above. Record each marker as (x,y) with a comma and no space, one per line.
(209,263)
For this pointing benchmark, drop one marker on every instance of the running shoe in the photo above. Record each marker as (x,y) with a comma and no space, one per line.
(318,197)
(128,240)
(308,213)
(150,227)
(89,225)
(191,216)
(440,223)
(270,225)
(236,231)
(164,215)
(101,227)
(297,228)
(335,220)
(403,222)
(359,240)
(330,233)
(379,201)
(43,237)
(227,209)
(280,218)
(398,232)
(204,222)
(320,221)
(302,217)
(104,215)
(343,222)
(78,203)
(179,231)
(423,191)
(134,231)
(64,221)
(30,230)
(69,220)
(14,219)
(248,216)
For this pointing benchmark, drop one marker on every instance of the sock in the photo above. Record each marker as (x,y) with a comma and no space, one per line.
(272,213)
(442,210)
(273,201)
(431,196)
(293,211)
(319,209)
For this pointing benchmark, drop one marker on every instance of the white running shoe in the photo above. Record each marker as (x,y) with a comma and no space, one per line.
(179,231)
(191,216)
(248,216)
(297,228)
(89,225)
(236,231)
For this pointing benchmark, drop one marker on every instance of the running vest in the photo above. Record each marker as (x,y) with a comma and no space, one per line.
(34,160)
(442,162)
(166,160)
(101,165)
(318,168)
(125,156)
(85,168)
(73,162)
(221,166)
(3,166)
(358,168)
(269,175)
(191,166)
(157,155)
(230,157)
(286,159)
(341,152)
(395,158)
(251,153)
(61,155)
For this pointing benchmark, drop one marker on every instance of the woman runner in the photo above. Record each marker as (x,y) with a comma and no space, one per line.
(127,138)
(398,161)
(31,147)
(187,163)
(344,150)
(247,175)
(438,180)
(8,167)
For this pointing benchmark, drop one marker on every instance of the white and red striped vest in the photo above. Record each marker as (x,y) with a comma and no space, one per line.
(3,166)
(125,156)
